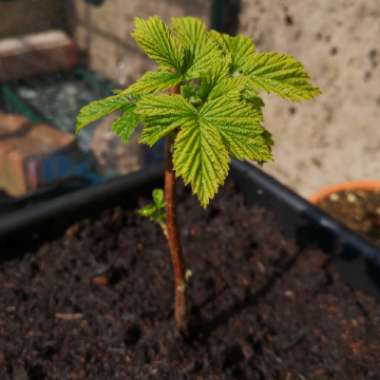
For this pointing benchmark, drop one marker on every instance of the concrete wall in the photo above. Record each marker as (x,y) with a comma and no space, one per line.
(104,32)
(28,16)
(337,136)
(331,139)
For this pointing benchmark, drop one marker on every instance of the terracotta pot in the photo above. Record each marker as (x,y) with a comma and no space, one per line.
(363,185)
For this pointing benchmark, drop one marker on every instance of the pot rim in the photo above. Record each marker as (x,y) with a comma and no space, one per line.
(364,185)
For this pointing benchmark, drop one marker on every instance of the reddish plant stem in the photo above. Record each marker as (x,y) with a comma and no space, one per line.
(174,241)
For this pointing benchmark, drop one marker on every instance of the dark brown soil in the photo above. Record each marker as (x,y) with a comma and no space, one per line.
(359,210)
(96,304)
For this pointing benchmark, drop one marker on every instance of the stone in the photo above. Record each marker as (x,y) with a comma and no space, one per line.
(23,156)
(34,54)
(11,124)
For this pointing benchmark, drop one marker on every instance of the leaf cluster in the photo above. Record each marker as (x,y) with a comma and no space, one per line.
(205,91)
(155,211)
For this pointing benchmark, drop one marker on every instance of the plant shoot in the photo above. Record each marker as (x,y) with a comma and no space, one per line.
(204,99)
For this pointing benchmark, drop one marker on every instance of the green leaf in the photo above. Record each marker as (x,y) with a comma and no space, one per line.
(281,74)
(188,90)
(207,56)
(158,198)
(261,147)
(126,123)
(221,39)
(228,87)
(201,159)
(239,50)
(152,82)
(157,41)
(214,76)
(251,95)
(98,109)
(190,29)
(203,50)
(163,113)
(155,211)
(148,210)
(242,50)
(152,213)
(237,122)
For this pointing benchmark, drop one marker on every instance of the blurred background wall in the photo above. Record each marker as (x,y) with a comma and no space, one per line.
(334,138)
(29,16)
(337,136)
(105,32)
(331,139)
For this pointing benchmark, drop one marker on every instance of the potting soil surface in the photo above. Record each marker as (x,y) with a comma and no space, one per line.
(97,304)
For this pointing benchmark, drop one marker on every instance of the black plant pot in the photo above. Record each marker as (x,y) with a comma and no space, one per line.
(97,300)
(357,260)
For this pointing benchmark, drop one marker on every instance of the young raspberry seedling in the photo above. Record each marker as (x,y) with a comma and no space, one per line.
(204,99)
